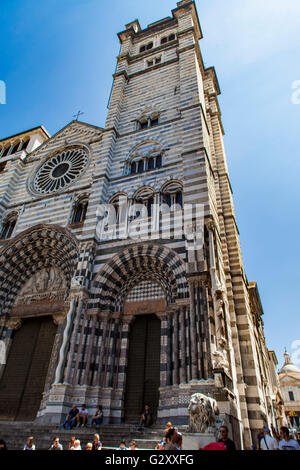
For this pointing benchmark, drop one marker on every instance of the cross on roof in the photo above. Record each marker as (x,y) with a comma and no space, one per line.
(76,116)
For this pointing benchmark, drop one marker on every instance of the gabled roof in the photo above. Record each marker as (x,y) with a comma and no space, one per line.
(79,123)
(28,131)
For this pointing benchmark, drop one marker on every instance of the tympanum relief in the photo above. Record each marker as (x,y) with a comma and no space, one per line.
(49,283)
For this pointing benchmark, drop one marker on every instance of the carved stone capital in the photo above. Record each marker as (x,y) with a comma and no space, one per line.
(14,323)
(163,316)
(210,225)
(59,318)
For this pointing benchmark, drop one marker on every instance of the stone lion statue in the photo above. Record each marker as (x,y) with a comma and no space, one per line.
(202,411)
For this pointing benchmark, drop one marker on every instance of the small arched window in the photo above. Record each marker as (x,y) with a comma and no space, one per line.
(166,39)
(8,228)
(146,47)
(141,166)
(158,161)
(172,196)
(145,197)
(79,212)
(133,168)
(151,163)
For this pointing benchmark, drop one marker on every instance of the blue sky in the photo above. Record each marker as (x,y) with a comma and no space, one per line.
(58,57)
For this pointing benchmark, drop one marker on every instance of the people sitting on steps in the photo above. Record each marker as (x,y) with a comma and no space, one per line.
(70,422)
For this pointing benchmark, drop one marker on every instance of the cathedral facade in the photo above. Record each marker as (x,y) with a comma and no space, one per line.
(93,309)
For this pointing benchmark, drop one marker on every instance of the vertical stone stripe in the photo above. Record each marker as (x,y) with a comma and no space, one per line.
(207,330)
(114,356)
(122,366)
(63,349)
(199,338)
(170,347)
(108,361)
(175,340)
(193,332)
(188,344)
(76,374)
(183,365)
(101,364)
(68,369)
(85,379)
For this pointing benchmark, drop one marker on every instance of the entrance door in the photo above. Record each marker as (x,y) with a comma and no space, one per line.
(24,376)
(143,371)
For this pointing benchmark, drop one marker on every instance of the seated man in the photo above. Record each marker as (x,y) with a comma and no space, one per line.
(70,420)
(82,416)
(98,418)
(146,418)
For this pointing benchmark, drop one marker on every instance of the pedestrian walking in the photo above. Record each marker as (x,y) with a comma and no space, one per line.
(267,442)
(287,442)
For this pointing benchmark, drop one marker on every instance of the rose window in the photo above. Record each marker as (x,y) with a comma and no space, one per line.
(60,171)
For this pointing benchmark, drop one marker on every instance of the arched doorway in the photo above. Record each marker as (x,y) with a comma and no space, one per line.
(143,371)
(24,376)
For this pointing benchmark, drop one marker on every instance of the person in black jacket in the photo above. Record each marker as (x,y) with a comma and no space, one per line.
(230,445)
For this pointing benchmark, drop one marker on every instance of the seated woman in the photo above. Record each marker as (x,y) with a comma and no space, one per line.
(98,418)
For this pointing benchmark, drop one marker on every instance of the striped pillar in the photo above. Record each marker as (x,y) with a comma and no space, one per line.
(123,356)
(108,351)
(99,376)
(163,349)
(193,334)
(80,345)
(207,364)
(88,354)
(183,363)
(169,350)
(63,348)
(187,344)
(175,349)
(114,351)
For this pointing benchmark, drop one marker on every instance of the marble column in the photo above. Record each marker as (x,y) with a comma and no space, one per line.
(183,364)
(175,349)
(65,342)
(163,349)
(193,334)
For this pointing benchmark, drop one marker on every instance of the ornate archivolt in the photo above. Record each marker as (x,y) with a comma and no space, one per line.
(26,264)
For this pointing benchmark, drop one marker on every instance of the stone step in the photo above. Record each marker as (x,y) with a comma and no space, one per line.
(15,435)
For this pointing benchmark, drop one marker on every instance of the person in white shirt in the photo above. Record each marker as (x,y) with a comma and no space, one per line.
(287,442)
(82,416)
(267,442)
